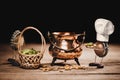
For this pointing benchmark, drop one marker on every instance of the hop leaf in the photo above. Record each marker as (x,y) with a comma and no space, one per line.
(14,39)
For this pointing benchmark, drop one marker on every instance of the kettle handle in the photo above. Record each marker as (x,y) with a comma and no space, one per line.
(83,38)
(68,50)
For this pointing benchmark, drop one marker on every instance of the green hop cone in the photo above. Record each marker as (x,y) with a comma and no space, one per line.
(29,51)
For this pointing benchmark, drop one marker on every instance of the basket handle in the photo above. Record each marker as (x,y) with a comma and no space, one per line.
(42,38)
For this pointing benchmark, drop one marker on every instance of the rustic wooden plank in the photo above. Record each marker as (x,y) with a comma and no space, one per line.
(110,71)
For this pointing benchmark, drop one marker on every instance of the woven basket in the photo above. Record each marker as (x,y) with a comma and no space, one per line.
(31,61)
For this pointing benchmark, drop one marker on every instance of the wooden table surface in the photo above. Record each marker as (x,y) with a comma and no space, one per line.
(111,70)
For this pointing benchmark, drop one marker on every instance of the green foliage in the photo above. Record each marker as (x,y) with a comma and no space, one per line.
(29,51)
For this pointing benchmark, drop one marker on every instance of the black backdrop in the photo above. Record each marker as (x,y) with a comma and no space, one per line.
(57,17)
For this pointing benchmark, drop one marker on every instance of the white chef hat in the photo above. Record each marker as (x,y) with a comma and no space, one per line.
(104,28)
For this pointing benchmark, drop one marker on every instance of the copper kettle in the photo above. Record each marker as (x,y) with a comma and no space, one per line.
(65,45)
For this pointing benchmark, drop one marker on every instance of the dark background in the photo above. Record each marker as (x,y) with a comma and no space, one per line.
(58,16)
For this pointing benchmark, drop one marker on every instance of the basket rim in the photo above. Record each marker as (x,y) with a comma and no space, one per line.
(39,53)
